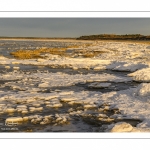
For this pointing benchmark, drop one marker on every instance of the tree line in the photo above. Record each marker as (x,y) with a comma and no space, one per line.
(114,37)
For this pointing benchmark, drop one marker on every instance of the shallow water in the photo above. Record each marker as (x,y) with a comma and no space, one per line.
(77,123)
(7,46)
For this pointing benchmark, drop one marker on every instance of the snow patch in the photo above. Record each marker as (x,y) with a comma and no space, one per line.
(124,66)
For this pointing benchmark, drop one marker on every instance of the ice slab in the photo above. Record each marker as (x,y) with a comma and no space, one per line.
(122,127)
(142,75)
(126,66)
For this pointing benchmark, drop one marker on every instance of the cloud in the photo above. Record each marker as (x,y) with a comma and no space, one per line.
(71,27)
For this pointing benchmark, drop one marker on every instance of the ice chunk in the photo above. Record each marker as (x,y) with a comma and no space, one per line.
(44,85)
(102,116)
(30,100)
(21,106)
(45,121)
(24,112)
(7,67)
(66,93)
(21,109)
(32,109)
(99,68)
(75,68)
(68,99)
(142,75)
(124,66)
(36,105)
(16,68)
(58,119)
(90,106)
(25,118)
(2,57)
(10,110)
(39,108)
(36,120)
(143,89)
(15,62)
(40,60)
(13,121)
(51,97)
(57,105)
(47,102)
(122,127)
(2,105)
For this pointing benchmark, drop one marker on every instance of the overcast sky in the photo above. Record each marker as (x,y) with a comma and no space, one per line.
(72,27)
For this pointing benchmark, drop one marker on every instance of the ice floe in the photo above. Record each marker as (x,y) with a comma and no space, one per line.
(142,75)
(13,121)
(125,66)
(143,89)
(122,127)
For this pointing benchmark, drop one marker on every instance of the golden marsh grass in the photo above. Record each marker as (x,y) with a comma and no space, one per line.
(34,54)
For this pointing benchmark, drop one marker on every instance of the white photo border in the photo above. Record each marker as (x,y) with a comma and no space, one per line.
(5,13)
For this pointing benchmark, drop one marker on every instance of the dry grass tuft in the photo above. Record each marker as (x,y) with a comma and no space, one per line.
(26,54)
(34,54)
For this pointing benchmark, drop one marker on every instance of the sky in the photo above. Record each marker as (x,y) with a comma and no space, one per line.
(72,27)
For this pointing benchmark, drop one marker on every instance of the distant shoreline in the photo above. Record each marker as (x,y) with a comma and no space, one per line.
(80,39)
(127,37)
(99,37)
(37,39)
(3,37)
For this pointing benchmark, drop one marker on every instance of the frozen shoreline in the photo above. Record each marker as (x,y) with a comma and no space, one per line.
(132,103)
